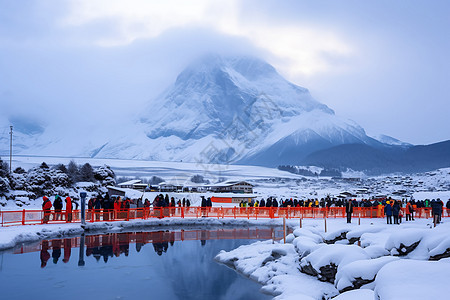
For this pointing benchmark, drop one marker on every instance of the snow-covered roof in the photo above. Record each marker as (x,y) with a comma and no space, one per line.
(231,195)
(130,193)
(228,183)
(130,182)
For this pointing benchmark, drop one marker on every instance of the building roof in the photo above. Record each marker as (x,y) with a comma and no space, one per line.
(228,183)
(130,193)
(130,182)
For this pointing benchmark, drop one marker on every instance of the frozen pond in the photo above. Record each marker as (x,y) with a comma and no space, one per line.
(143,265)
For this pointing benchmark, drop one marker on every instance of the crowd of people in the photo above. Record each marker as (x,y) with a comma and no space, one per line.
(394,210)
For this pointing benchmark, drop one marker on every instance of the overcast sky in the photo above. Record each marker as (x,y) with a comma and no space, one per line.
(383,64)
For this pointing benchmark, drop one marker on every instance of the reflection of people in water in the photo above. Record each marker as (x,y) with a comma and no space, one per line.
(67,250)
(45,256)
(160,243)
(161,247)
(106,250)
(56,253)
(203,237)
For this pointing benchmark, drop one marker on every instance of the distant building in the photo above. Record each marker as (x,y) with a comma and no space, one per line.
(230,186)
(135,184)
(232,198)
(114,191)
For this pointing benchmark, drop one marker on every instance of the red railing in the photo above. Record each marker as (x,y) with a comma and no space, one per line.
(28,217)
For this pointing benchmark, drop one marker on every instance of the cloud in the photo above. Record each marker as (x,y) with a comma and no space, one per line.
(299,48)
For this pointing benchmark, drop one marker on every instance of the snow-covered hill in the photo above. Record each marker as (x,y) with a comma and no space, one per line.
(220,109)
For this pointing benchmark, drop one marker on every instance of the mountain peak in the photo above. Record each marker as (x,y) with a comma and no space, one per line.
(249,67)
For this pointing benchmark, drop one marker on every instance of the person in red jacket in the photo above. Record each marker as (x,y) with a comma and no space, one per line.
(46,207)
(68,209)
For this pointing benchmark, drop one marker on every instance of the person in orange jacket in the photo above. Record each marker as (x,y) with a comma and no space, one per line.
(68,209)
(46,207)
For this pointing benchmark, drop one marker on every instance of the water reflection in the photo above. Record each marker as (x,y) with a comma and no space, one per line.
(175,265)
(107,246)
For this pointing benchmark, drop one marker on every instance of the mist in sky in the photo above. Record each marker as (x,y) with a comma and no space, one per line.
(77,65)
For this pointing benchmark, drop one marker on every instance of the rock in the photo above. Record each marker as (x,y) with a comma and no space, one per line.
(405,250)
(446,254)
(340,237)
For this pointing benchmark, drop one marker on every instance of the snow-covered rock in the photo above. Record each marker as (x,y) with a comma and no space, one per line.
(361,294)
(403,242)
(358,273)
(413,279)
(325,261)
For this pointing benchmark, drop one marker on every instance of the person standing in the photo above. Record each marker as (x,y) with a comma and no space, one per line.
(349,210)
(409,212)
(203,205)
(46,207)
(388,212)
(396,211)
(58,205)
(68,209)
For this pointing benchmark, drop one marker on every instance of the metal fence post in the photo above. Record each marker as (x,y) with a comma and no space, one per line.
(81,253)
(83,209)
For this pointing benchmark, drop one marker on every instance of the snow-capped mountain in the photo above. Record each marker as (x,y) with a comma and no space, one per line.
(240,109)
(389,140)
(223,109)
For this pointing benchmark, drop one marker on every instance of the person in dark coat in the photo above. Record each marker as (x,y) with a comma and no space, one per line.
(396,211)
(166,200)
(97,206)
(203,205)
(388,212)
(349,210)
(56,253)
(58,205)
(106,205)
(262,203)
(274,203)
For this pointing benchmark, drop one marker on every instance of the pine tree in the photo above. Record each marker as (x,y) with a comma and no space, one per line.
(62,168)
(73,172)
(87,173)
(4,168)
